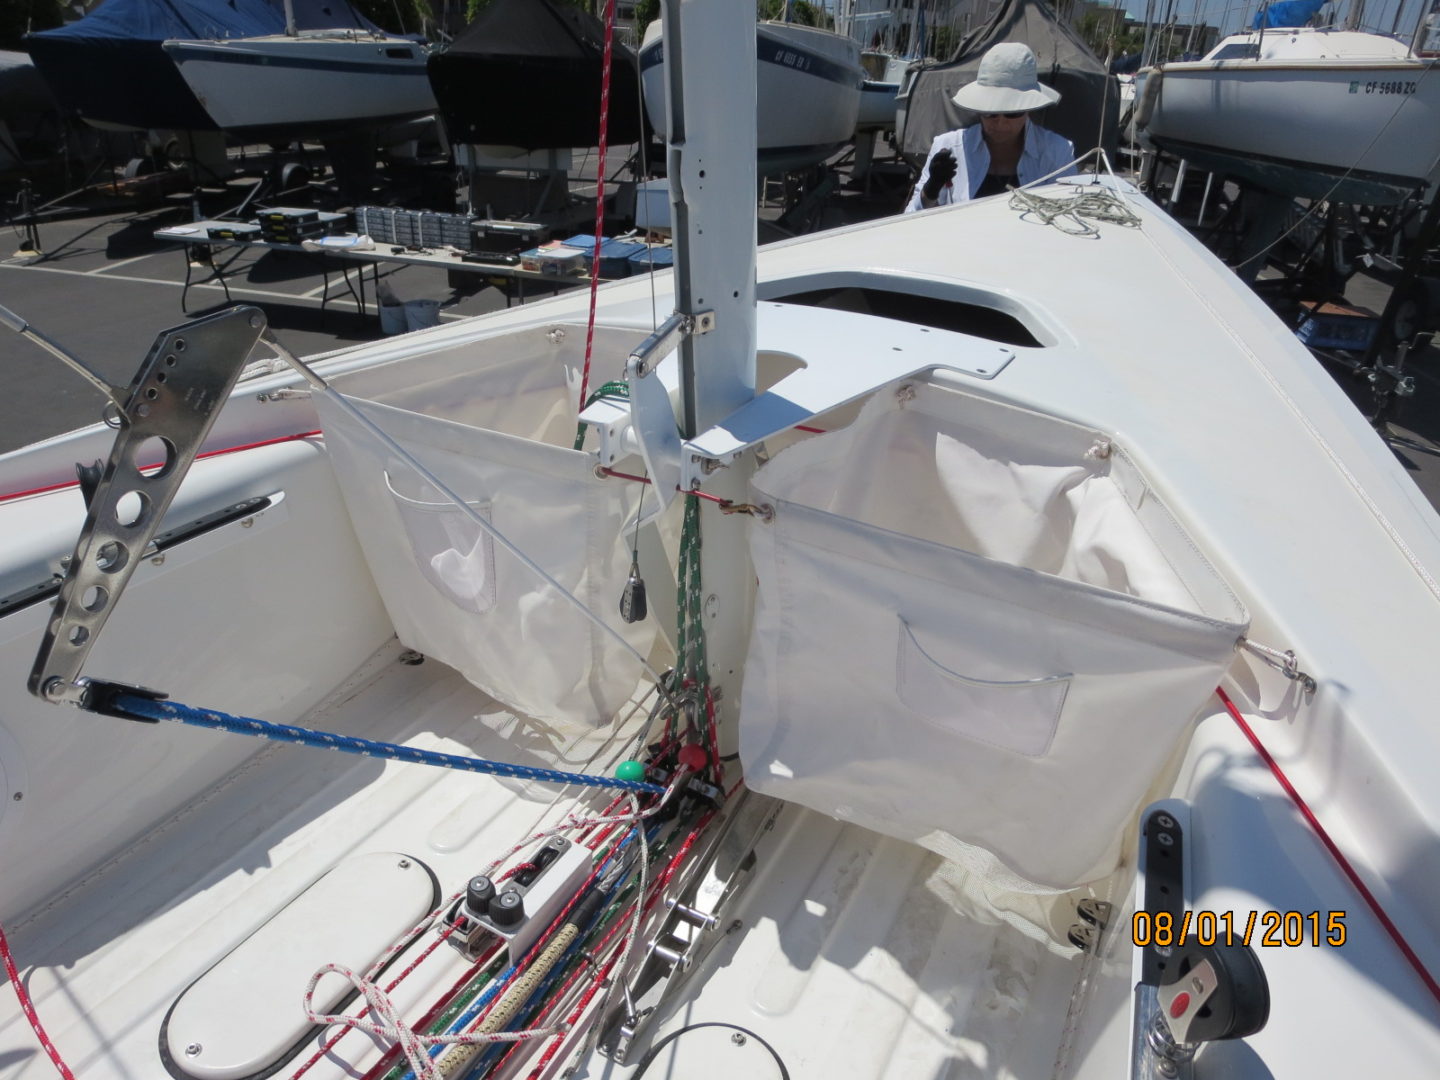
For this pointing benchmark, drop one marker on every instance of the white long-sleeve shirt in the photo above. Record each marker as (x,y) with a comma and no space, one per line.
(1044,153)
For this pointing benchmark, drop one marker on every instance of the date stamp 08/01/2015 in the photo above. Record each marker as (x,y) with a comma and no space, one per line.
(1269,929)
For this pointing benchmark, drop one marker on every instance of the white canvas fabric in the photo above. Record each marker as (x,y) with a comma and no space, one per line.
(496,428)
(976,631)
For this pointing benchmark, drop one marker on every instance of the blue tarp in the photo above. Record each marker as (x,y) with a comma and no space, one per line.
(161,20)
(1286,13)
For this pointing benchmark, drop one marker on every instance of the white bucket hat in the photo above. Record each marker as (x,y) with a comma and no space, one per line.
(1006,82)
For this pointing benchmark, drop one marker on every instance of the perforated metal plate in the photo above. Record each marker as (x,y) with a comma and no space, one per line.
(172,404)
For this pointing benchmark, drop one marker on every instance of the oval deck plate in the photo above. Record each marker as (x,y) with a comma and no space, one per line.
(244,1018)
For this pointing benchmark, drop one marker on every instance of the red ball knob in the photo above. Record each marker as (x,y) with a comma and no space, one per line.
(693,757)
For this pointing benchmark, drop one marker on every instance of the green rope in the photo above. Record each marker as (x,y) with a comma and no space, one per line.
(615,390)
(690,636)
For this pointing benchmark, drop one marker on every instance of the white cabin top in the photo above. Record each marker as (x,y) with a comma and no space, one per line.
(1300,43)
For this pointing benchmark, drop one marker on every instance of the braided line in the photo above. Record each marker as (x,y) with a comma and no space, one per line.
(599,191)
(28,1008)
(350,744)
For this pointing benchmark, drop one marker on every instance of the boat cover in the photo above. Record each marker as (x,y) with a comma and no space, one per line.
(977,629)
(1088,92)
(109,66)
(527,73)
(1286,13)
(495,422)
(196,20)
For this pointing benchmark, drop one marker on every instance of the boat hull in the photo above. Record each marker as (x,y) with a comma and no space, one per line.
(1374,139)
(877,106)
(281,86)
(118,83)
(808,92)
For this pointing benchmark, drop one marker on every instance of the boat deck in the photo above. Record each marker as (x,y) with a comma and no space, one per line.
(843,930)
(128,285)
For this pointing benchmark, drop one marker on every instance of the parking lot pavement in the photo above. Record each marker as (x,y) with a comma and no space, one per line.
(104,287)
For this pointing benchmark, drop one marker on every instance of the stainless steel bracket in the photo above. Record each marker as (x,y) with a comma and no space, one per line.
(164,418)
(666,337)
(691,927)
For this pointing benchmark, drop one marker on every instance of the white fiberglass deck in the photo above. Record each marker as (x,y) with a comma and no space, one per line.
(858,956)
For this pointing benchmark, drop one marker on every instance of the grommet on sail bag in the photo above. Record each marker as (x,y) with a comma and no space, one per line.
(976,632)
(495,422)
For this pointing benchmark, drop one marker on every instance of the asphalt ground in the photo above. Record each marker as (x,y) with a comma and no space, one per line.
(104,287)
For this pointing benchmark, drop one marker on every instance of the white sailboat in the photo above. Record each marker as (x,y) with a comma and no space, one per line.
(305,81)
(809,91)
(1306,111)
(318,81)
(985,561)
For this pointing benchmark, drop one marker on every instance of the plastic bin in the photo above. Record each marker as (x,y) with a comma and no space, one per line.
(652,206)
(558,259)
(1333,326)
(421,314)
(655,257)
(615,255)
(392,319)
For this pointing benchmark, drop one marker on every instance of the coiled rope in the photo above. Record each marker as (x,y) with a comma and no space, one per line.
(1095,201)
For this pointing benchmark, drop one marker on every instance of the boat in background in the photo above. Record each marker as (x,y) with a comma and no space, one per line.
(31,123)
(112,68)
(307,84)
(1309,112)
(880,92)
(1089,107)
(545,60)
(809,89)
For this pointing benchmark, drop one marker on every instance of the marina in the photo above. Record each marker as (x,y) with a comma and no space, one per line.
(495,608)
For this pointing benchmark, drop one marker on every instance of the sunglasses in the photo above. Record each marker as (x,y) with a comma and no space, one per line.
(1006,115)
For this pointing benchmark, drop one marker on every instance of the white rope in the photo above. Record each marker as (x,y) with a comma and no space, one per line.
(1099,203)
(391,1026)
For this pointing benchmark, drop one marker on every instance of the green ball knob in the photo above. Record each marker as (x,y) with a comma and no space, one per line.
(630,770)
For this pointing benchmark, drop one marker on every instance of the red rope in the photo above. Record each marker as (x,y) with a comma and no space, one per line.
(599,193)
(29,1009)
(1334,849)
(156,464)
(605,470)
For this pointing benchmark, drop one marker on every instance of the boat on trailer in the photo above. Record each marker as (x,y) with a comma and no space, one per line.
(984,657)
(809,92)
(280,86)
(1310,112)
(258,69)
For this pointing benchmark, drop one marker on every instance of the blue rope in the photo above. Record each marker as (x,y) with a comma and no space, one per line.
(324,740)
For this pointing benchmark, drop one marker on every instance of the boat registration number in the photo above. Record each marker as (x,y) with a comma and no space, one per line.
(1397,86)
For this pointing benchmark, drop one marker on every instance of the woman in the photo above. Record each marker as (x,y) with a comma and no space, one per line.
(1005,149)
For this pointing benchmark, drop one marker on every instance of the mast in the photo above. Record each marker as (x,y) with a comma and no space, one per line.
(290,19)
(712,169)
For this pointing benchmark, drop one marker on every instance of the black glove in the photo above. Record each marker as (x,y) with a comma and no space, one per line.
(943,168)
